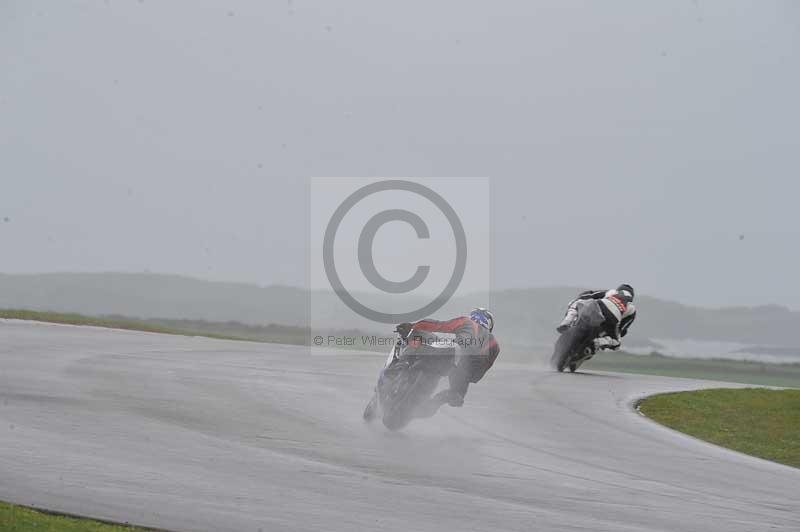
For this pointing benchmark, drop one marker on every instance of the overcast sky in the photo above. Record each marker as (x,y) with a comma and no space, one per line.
(652,143)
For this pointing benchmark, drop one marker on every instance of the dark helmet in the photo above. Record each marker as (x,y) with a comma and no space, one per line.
(623,288)
(482,317)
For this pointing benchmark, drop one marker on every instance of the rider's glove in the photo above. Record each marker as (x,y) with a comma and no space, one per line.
(403,329)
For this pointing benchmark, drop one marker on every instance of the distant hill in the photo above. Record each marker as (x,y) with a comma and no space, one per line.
(524,316)
(153,295)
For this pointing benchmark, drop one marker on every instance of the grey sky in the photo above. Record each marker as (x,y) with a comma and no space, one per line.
(626,141)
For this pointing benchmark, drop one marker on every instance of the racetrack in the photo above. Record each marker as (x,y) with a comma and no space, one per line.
(201,434)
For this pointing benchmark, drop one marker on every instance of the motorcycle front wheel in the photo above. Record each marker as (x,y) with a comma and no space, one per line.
(406,391)
(569,345)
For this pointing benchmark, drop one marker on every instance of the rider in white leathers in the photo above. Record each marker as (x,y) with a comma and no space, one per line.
(617,308)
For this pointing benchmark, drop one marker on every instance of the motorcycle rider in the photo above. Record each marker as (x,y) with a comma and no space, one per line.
(476,350)
(617,308)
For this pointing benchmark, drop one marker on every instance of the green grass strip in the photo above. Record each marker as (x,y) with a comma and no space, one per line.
(22,519)
(739,371)
(131,324)
(759,422)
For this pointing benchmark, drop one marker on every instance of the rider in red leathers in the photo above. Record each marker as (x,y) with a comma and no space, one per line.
(476,349)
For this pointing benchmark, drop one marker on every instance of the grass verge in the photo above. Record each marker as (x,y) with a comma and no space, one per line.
(22,519)
(228,330)
(221,330)
(759,422)
(111,322)
(739,371)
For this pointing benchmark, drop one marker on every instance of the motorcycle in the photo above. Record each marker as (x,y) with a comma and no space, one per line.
(576,345)
(411,374)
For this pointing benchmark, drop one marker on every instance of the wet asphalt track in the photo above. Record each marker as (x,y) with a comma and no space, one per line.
(200,434)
